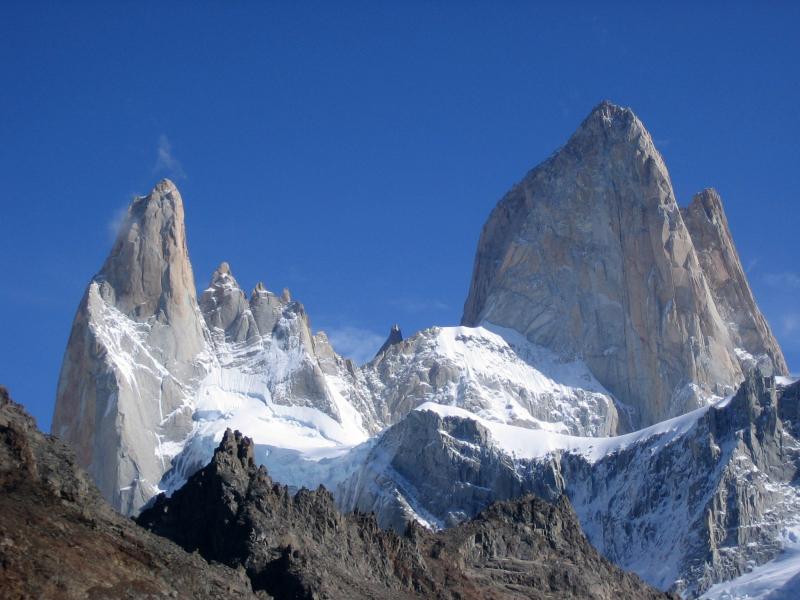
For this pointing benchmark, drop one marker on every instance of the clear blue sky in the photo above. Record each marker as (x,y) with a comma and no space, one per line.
(352,151)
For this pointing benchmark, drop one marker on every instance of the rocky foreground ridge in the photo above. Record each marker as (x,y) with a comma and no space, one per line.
(301,546)
(60,539)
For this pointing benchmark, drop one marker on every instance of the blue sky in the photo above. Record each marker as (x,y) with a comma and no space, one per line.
(352,151)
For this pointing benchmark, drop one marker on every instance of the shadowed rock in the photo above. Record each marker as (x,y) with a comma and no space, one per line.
(60,539)
(301,547)
(395,337)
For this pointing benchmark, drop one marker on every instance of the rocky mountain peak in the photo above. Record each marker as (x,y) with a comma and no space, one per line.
(166,187)
(143,302)
(226,308)
(222,277)
(610,127)
(395,337)
(588,256)
(613,116)
(148,268)
(222,270)
(710,201)
(235,447)
(755,345)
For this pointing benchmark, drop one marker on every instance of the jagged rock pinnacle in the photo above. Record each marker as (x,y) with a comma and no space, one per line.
(146,278)
(708,226)
(395,337)
(225,307)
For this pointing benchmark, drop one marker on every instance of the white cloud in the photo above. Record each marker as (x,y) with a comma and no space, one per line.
(419,305)
(356,343)
(117,220)
(790,323)
(166,161)
(785,280)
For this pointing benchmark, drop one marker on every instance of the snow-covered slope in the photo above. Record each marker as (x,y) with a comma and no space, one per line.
(778,579)
(497,375)
(453,367)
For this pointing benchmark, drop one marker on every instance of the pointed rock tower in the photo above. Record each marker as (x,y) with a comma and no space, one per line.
(225,307)
(395,337)
(713,242)
(589,256)
(122,390)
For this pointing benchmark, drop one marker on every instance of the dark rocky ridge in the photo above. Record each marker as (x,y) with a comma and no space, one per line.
(395,337)
(60,539)
(302,547)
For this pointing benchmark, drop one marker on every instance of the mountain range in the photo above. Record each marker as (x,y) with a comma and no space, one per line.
(610,352)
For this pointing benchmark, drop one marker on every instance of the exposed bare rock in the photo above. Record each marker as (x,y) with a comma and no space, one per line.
(60,540)
(301,547)
(685,504)
(225,307)
(132,355)
(712,239)
(147,368)
(395,336)
(589,256)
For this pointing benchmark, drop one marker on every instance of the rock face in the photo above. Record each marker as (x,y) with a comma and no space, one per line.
(395,337)
(439,471)
(225,308)
(60,539)
(133,352)
(589,256)
(684,504)
(730,481)
(708,226)
(302,547)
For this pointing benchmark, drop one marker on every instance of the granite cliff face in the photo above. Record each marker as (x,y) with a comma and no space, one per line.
(705,219)
(301,547)
(589,256)
(133,354)
(60,540)
(150,373)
